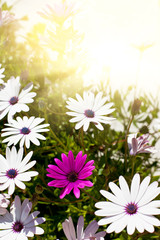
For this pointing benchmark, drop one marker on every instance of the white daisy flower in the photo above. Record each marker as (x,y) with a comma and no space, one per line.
(24,130)
(19,224)
(130,208)
(12,100)
(4,202)
(88,234)
(90,109)
(13,170)
(1,74)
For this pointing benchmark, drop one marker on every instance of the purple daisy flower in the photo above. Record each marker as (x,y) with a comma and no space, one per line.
(71,173)
(139,144)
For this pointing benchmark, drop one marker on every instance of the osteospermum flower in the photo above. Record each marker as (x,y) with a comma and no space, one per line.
(13,170)
(90,109)
(88,234)
(59,12)
(1,74)
(70,174)
(19,224)
(132,208)
(4,202)
(139,145)
(12,100)
(6,17)
(24,130)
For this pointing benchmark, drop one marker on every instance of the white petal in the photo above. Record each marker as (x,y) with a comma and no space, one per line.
(16,209)
(108,220)
(151,192)
(131,224)
(11,187)
(91,229)
(143,187)
(80,226)
(118,225)
(125,189)
(31,217)
(26,211)
(135,186)
(20,184)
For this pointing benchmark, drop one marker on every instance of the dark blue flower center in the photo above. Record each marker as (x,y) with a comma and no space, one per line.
(17,226)
(72,176)
(131,208)
(13,100)
(25,131)
(11,173)
(89,113)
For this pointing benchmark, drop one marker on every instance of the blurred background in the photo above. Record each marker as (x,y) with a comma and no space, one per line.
(116,40)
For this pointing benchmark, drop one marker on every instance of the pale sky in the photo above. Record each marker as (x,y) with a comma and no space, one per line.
(110,27)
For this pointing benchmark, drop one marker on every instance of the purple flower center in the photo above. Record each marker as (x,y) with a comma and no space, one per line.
(25,131)
(11,173)
(17,226)
(131,208)
(13,100)
(89,113)
(72,176)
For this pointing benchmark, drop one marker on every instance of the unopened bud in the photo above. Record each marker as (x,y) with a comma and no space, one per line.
(144,130)
(38,189)
(136,106)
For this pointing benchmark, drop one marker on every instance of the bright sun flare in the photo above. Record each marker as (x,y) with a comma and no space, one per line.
(115,32)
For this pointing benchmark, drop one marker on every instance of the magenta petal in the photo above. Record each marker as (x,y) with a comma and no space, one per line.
(58,183)
(90,163)
(84,183)
(63,166)
(84,175)
(76,192)
(87,169)
(71,161)
(63,193)
(79,161)
(70,187)
(64,159)
(66,190)
(55,175)
(56,169)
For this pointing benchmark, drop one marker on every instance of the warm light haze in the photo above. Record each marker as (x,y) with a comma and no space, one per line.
(121,39)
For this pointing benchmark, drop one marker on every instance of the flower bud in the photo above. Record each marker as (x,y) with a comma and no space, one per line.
(38,189)
(136,106)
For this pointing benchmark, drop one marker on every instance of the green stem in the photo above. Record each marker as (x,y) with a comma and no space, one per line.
(58,140)
(133,164)
(81,139)
(89,195)
(59,202)
(129,125)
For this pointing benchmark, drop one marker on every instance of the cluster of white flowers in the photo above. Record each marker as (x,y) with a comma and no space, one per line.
(18,224)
